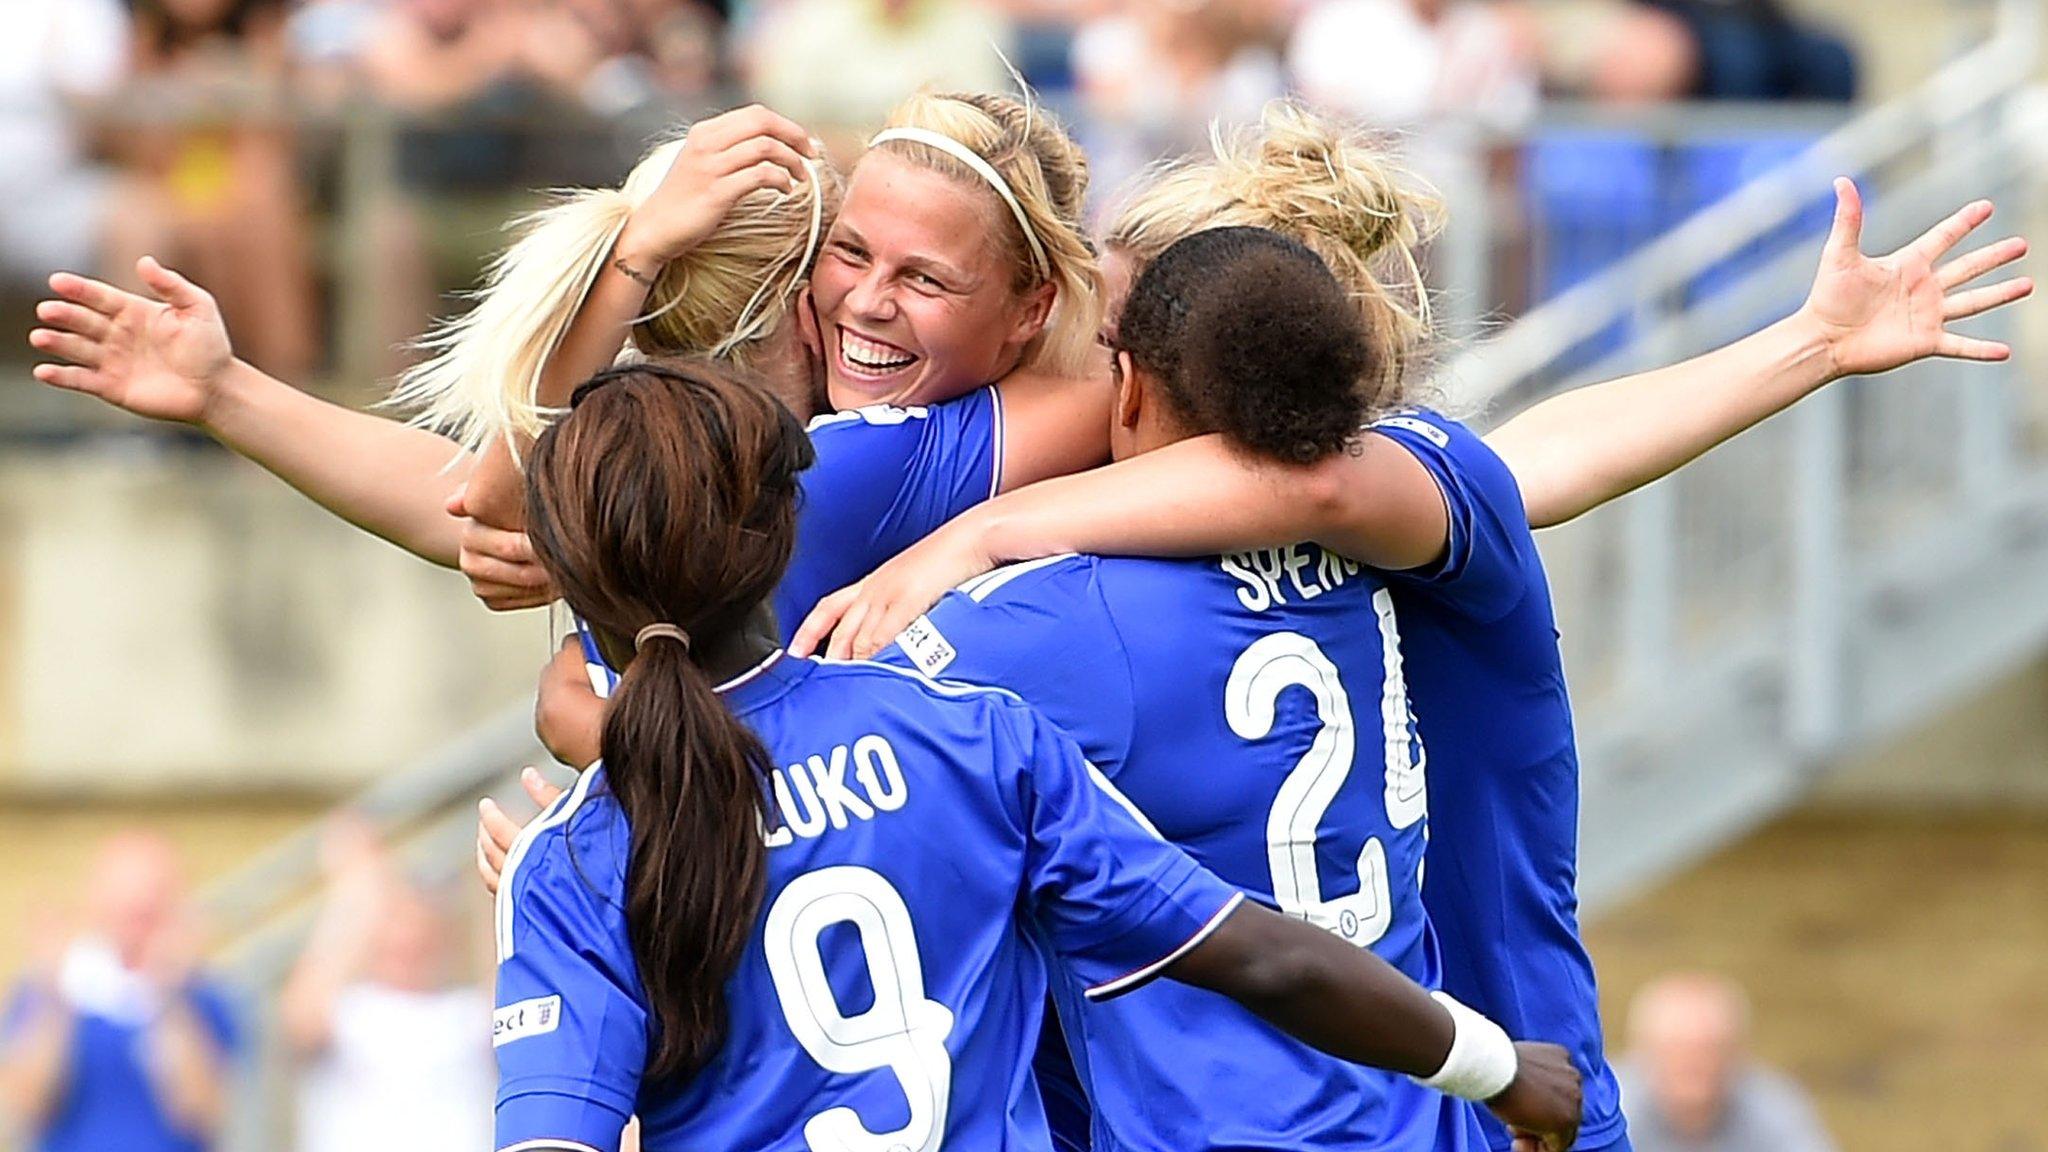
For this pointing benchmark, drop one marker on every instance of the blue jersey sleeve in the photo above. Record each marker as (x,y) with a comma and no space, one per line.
(571,1023)
(1117,903)
(1483,573)
(884,479)
(1043,631)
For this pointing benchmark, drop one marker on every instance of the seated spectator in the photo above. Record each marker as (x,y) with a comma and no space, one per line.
(116,1040)
(1687,1081)
(1623,51)
(227,167)
(1755,50)
(396,1053)
(57,58)
(1403,63)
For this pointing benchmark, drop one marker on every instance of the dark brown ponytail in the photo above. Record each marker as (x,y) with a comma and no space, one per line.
(667,495)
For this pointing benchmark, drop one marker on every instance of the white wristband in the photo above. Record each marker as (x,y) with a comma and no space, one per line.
(1482,1061)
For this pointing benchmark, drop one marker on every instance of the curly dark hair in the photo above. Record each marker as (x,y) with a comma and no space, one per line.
(1251,336)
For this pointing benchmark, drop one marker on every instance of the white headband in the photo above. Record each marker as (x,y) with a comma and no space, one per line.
(983,169)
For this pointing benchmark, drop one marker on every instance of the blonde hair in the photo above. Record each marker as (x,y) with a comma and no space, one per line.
(1335,191)
(1048,175)
(722,298)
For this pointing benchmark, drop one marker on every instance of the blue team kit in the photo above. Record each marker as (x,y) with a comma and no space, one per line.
(1386,754)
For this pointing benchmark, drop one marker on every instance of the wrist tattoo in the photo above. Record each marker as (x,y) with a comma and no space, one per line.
(632,273)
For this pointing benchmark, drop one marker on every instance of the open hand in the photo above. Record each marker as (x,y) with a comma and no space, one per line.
(163,358)
(1884,312)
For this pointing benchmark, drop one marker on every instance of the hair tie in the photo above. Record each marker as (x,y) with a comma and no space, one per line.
(669,630)
(983,169)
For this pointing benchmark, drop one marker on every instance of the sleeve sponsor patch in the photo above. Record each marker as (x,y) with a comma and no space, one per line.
(536,1017)
(1422,428)
(926,646)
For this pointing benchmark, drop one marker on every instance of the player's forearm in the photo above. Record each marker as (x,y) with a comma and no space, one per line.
(1573,453)
(32,1068)
(603,324)
(1323,991)
(188,1077)
(1201,496)
(382,476)
(1188,499)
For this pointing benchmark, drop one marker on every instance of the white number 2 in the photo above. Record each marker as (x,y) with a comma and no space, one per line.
(902,1031)
(1262,673)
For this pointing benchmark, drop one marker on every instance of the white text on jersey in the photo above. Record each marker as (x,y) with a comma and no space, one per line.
(1265,574)
(815,794)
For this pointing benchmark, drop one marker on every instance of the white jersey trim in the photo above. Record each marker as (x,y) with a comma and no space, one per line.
(1131,980)
(985,585)
(995,480)
(885,415)
(557,814)
(549,1143)
(750,673)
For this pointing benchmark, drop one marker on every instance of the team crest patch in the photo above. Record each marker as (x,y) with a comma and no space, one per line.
(536,1017)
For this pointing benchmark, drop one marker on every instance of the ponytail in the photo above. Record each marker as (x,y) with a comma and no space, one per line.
(663,506)
(692,781)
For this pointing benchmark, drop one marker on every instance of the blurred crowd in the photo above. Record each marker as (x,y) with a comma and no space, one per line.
(117,1036)
(192,129)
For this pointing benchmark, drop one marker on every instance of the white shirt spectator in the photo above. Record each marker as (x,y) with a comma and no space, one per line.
(1406,62)
(53,52)
(403,1072)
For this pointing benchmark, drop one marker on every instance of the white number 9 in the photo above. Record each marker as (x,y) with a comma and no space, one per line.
(902,1031)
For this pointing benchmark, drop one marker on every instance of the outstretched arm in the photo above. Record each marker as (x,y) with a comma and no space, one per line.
(168,358)
(1574,452)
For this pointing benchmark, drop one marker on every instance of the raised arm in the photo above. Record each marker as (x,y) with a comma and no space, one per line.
(1348,1002)
(723,160)
(169,358)
(1865,315)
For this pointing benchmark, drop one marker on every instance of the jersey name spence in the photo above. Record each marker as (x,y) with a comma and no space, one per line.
(1254,708)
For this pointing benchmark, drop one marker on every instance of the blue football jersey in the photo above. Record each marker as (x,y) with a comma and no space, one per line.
(886,478)
(1487,684)
(929,848)
(1253,708)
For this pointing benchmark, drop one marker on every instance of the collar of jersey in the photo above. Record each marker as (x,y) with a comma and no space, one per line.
(763,682)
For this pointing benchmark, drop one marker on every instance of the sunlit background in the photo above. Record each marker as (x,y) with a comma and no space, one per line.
(1811,673)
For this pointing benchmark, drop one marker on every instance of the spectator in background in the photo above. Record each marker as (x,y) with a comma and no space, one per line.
(839,66)
(1631,51)
(395,1051)
(1688,1084)
(115,1041)
(1404,63)
(226,166)
(57,59)
(1755,50)
(1154,74)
